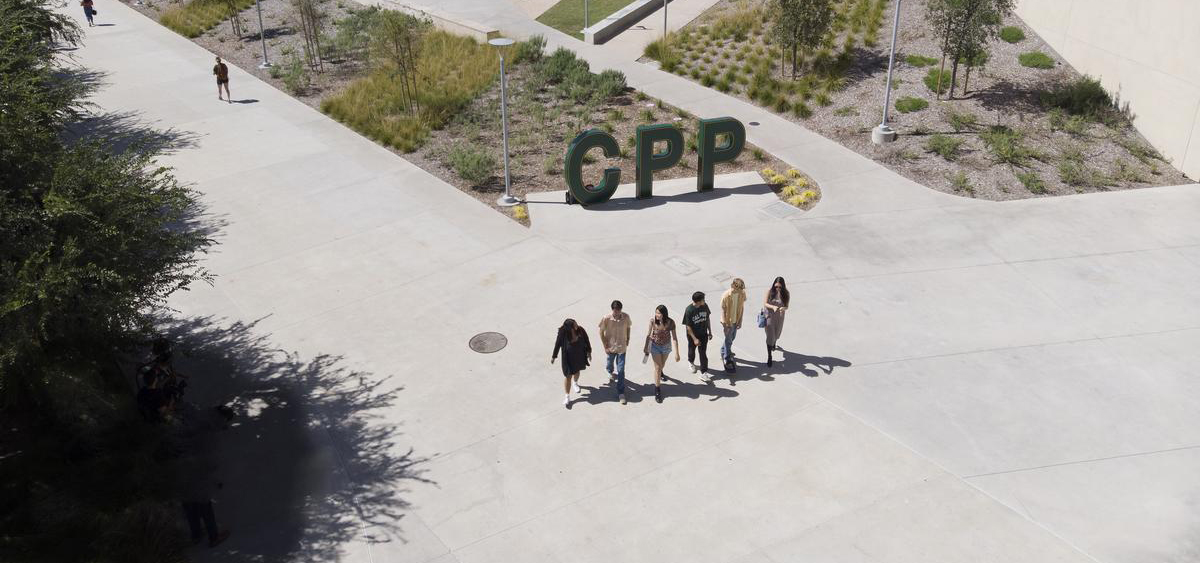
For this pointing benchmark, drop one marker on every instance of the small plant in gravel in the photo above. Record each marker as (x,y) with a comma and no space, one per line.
(910,104)
(801,110)
(1141,151)
(1082,96)
(961,121)
(646,116)
(472,163)
(1126,172)
(937,80)
(1036,59)
(1076,173)
(823,99)
(782,105)
(961,182)
(1032,182)
(1006,147)
(920,60)
(758,154)
(520,213)
(846,111)
(552,166)
(944,145)
(1012,34)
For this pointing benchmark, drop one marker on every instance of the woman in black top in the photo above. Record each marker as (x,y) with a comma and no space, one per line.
(576,352)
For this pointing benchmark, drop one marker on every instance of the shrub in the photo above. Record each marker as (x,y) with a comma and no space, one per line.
(758,154)
(789,191)
(609,84)
(963,121)
(520,213)
(472,163)
(931,80)
(1032,182)
(944,145)
(1082,96)
(824,99)
(647,116)
(1005,145)
(801,110)
(1036,59)
(1075,173)
(295,76)
(782,105)
(1141,151)
(845,111)
(552,166)
(531,50)
(920,60)
(708,80)
(961,183)
(909,104)
(1127,173)
(724,85)
(694,73)
(1012,34)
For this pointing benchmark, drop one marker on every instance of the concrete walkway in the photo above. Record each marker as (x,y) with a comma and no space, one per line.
(962,381)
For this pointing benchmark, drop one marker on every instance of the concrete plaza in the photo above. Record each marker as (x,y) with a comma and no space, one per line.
(963,380)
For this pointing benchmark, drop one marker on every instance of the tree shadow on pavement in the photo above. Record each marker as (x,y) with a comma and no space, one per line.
(310,462)
(119,131)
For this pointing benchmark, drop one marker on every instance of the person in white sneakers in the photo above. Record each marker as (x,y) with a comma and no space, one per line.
(615,328)
(699,332)
(577,354)
(733,305)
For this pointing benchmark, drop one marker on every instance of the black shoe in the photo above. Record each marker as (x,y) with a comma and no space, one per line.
(658,394)
(770,362)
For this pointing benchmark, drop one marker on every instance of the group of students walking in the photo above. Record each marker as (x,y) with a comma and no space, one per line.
(662,337)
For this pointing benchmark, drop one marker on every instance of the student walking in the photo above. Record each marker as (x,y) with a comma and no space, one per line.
(699,331)
(659,338)
(88,11)
(774,307)
(577,354)
(733,304)
(615,329)
(222,73)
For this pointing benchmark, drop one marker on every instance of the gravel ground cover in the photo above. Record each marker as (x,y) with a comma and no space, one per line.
(997,139)
(467,152)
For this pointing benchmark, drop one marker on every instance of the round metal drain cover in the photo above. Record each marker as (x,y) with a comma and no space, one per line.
(488,342)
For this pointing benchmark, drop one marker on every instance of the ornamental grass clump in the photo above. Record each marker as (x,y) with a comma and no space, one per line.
(944,145)
(194,18)
(910,104)
(1036,59)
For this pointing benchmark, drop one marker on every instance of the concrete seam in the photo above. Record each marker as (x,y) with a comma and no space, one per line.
(1082,461)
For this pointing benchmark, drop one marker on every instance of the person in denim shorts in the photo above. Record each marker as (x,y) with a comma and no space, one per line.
(659,340)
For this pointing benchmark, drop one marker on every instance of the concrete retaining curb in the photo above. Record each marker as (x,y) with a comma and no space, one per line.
(619,21)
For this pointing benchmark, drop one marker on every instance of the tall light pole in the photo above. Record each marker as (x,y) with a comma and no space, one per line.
(882,133)
(507,200)
(585,17)
(262,34)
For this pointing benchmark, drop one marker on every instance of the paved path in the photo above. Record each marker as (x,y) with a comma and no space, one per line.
(1010,382)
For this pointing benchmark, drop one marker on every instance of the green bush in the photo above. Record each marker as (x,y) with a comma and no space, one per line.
(295,76)
(1141,151)
(1032,182)
(962,121)
(609,84)
(1082,96)
(910,104)
(194,18)
(472,163)
(1036,59)
(920,60)
(782,105)
(801,110)
(1012,34)
(552,166)
(944,145)
(1005,145)
(931,80)
(531,50)
(961,183)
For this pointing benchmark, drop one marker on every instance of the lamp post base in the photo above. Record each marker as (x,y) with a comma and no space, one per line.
(507,201)
(265,64)
(883,134)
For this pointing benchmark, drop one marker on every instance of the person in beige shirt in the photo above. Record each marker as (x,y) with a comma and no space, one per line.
(614,335)
(733,304)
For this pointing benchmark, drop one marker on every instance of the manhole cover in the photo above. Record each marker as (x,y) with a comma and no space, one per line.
(780,210)
(488,342)
(681,266)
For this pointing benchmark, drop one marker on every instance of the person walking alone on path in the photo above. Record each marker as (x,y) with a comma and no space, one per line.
(222,73)
(699,330)
(88,11)
(658,345)
(576,353)
(733,304)
(775,305)
(614,335)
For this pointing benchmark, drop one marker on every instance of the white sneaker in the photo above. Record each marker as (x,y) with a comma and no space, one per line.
(704,377)
(694,368)
(575,387)
(622,397)
(567,401)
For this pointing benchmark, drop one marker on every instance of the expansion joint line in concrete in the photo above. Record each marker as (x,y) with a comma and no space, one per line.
(1083,461)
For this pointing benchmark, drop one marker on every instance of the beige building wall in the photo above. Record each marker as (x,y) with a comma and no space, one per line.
(1145,51)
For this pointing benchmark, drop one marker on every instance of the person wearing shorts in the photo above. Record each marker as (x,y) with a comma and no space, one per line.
(222,73)
(659,339)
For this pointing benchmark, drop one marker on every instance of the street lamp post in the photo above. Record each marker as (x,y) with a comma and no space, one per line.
(882,133)
(585,16)
(262,34)
(507,200)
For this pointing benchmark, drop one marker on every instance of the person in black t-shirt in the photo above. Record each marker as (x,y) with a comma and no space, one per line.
(695,318)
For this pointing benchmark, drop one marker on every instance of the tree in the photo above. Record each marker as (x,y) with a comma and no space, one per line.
(964,28)
(800,25)
(311,20)
(395,46)
(235,19)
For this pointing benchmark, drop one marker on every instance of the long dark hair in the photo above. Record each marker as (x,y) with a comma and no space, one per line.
(666,319)
(571,329)
(783,291)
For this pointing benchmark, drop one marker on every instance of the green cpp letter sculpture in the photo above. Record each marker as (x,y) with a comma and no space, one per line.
(573,167)
(648,161)
(711,154)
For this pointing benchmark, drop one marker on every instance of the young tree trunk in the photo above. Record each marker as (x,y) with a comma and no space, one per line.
(953,77)
(937,93)
(794,50)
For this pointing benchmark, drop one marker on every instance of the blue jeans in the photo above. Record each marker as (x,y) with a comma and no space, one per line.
(727,347)
(617,361)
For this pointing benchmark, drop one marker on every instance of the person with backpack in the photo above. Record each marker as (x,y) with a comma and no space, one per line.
(699,331)
(614,334)
(733,304)
(659,338)
(774,307)
(222,73)
(89,11)
(572,340)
